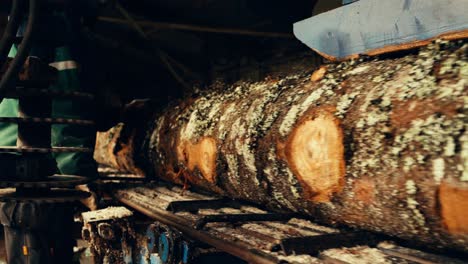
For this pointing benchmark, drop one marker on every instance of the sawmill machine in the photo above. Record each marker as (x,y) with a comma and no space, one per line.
(370,144)
(175,196)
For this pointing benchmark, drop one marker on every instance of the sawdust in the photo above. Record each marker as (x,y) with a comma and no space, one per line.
(106,214)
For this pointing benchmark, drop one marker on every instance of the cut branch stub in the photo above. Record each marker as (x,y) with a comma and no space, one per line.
(453,199)
(201,156)
(315,153)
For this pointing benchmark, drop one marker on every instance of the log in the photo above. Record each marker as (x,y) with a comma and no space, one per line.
(375,144)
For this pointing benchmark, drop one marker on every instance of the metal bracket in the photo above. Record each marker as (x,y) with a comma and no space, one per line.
(314,244)
(236,218)
(195,205)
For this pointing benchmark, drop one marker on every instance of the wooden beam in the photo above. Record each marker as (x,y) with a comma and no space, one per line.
(188,27)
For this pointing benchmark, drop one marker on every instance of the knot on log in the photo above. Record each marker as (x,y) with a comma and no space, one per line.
(315,153)
(201,156)
(453,200)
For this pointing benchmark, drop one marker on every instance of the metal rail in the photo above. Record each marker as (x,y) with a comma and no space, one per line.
(47,120)
(237,218)
(255,235)
(195,205)
(55,181)
(28,92)
(43,150)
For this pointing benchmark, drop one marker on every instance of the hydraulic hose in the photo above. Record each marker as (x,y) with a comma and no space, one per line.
(10,31)
(23,49)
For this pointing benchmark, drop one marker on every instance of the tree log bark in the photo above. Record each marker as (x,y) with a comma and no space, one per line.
(380,145)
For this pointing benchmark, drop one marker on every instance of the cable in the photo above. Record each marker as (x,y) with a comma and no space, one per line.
(10,30)
(23,49)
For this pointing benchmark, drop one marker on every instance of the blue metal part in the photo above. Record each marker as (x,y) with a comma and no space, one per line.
(345,2)
(186,252)
(372,26)
(164,246)
(142,257)
(148,248)
(151,238)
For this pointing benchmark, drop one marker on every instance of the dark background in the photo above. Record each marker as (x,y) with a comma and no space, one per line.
(165,63)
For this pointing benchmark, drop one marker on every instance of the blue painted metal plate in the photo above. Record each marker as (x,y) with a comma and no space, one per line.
(151,238)
(186,252)
(376,26)
(164,247)
(346,2)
